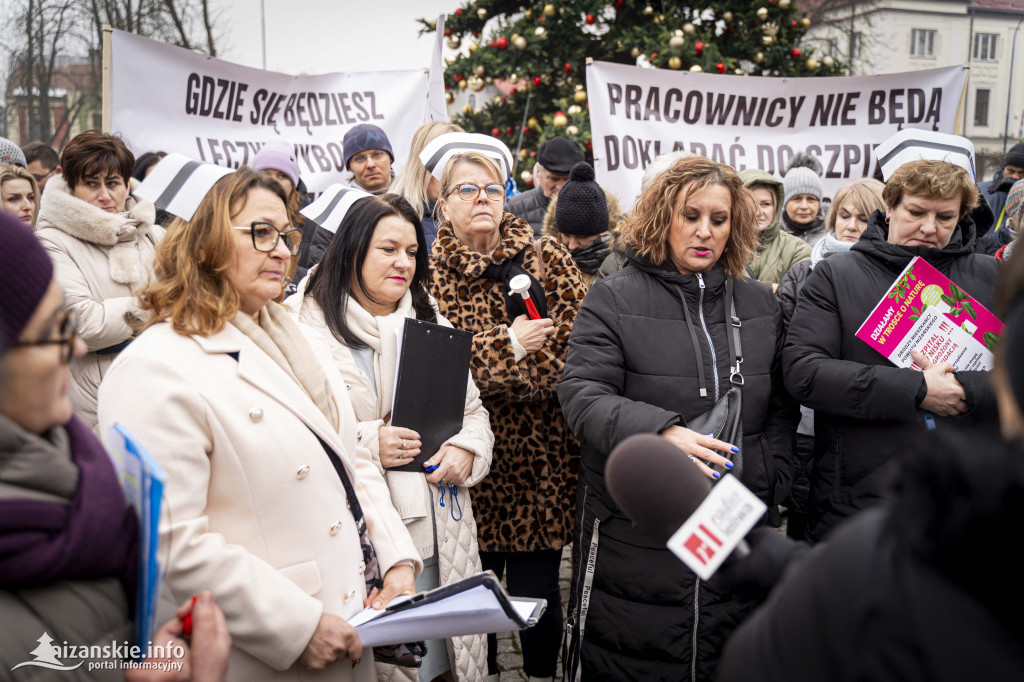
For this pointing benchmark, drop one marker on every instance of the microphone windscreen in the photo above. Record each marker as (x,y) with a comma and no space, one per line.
(655,483)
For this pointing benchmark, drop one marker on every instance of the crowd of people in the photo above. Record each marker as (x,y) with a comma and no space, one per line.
(253,351)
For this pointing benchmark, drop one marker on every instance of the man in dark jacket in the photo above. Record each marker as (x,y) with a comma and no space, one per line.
(996,189)
(866,409)
(555,159)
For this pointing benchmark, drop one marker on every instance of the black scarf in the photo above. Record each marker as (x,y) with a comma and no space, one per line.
(514,304)
(589,258)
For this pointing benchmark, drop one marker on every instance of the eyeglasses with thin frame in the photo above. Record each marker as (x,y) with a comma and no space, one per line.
(469,192)
(67,334)
(376,157)
(265,237)
(44,176)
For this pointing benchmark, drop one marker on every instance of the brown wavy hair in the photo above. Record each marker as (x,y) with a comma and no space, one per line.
(932,180)
(94,152)
(190,287)
(646,227)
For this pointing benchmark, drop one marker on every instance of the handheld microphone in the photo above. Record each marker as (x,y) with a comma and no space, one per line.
(665,494)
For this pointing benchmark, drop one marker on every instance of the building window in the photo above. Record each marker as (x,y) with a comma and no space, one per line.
(985,47)
(922,42)
(981,107)
(472,101)
(858,45)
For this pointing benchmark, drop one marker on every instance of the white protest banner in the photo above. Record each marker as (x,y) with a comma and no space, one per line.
(758,122)
(173,100)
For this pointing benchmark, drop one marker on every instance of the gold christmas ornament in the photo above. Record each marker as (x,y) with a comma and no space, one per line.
(476,84)
(479,69)
(539,31)
(572,131)
(828,62)
(499,101)
(675,63)
(533,123)
(449,60)
(762,13)
(727,16)
(759,57)
(635,52)
(449,97)
(580,96)
(805,22)
(676,41)
(549,10)
(648,10)
(689,29)
(523,153)
(488,80)
(811,64)
(473,46)
(462,84)
(514,78)
(528,14)
(526,176)
(767,40)
(696,68)
(519,42)
(468,109)
(784,4)
(678,32)
(433,25)
(569,80)
(482,13)
(580,86)
(454,42)
(560,121)
(573,110)
(738,72)
(658,19)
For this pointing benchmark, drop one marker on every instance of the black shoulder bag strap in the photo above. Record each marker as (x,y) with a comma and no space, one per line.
(514,304)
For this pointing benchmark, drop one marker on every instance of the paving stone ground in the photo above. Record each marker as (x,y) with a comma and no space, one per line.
(510,653)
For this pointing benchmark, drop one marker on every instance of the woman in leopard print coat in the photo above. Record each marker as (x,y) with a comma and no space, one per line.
(525,506)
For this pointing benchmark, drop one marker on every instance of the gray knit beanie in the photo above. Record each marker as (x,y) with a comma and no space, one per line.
(801,180)
(11,153)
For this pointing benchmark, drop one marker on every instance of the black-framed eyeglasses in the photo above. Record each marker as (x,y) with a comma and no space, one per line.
(265,237)
(67,334)
(469,192)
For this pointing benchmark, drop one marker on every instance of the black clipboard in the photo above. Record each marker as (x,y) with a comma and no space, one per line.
(430,385)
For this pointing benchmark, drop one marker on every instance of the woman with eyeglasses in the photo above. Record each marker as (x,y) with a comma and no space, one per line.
(102,240)
(268,503)
(68,538)
(370,280)
(525,506)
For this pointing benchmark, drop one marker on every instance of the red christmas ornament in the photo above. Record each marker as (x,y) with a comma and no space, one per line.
(501,43)
(458,11)
(509,130)
(795,53)
(699,47)
(495,132)
(476,34)
(618,3)
(447,31)
(653,55)
(567,67)
(491,43)
(559,113)
(794,23)
(533,154)
(590,146)
(457,77)
(542,18)
(589,19)
(536,81)
(512,91)
(721,67)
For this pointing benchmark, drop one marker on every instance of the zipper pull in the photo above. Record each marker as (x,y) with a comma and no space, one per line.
(700,280)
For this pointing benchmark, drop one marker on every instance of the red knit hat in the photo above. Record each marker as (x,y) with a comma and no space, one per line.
(24,279)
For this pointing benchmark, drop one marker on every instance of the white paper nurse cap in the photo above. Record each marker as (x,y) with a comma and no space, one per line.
(911,144)
(330,208)
(435,156)
(178,184)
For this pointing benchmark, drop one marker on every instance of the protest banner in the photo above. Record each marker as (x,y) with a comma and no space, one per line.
(758,122)
(170,99)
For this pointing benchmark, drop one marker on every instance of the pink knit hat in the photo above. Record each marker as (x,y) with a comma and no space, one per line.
(278,155)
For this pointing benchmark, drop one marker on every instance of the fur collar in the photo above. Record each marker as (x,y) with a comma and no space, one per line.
(516,235)
(61,210)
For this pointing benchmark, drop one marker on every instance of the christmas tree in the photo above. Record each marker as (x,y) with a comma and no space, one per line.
(538,52)
(45,652)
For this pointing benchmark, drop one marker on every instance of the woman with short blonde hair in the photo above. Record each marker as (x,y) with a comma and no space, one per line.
(657,345)
(414,181)
(19,193)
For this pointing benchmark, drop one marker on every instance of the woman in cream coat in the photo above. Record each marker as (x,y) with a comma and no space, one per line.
(381,241)
(101,240)
(231,398)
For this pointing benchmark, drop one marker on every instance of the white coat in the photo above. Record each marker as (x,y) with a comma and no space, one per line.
(255,511)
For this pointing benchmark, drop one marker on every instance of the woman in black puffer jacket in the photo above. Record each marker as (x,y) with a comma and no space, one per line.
(866,409)
(646,341)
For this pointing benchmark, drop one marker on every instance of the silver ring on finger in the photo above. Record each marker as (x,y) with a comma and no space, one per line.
(403,444)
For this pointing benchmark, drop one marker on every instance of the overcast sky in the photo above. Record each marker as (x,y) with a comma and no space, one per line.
(323,36)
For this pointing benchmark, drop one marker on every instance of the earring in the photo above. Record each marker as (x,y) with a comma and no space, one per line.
(886,218)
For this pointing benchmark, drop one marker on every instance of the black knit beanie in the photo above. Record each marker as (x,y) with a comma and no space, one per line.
(582,208)
(1015,157)
(24,279)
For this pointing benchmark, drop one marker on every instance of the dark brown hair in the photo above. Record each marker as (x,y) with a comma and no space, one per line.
(41,152)
(93,152)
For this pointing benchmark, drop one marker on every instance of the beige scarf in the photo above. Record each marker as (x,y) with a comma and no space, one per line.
(278,336)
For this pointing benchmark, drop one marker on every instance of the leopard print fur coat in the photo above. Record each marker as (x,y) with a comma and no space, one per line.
(527,502)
